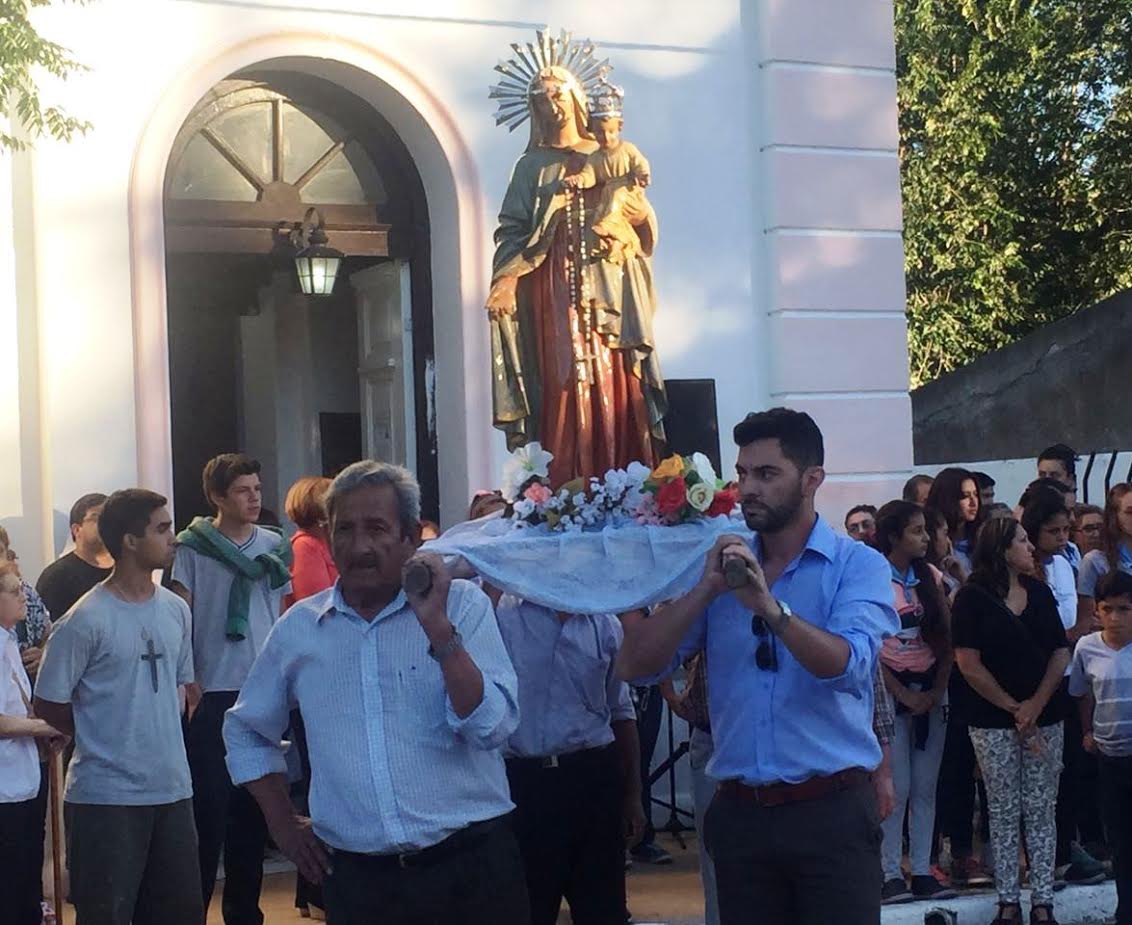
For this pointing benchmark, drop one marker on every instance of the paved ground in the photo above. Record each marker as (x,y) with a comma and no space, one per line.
(671,896)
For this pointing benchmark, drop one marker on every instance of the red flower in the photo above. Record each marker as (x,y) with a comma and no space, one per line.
(671,497)
(724,501)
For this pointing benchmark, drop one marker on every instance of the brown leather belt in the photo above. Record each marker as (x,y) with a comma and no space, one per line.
(781,793)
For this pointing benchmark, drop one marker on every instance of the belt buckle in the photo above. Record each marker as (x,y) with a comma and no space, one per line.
(550,761)
(403,859)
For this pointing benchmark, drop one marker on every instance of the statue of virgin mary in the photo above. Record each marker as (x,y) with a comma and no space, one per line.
(568,369)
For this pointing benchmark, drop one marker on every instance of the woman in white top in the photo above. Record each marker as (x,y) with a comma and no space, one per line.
(21,810)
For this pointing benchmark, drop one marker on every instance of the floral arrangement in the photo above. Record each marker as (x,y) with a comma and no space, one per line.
(686,489)
(676,491)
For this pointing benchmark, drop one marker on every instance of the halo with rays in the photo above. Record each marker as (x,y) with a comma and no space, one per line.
(520,72)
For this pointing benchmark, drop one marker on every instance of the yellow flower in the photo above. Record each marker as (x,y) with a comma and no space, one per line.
(671,468)
(700,496)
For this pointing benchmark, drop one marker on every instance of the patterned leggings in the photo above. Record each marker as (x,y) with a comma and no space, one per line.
(1021,789)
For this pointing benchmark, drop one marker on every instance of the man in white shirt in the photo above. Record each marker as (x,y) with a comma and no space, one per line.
(407,696)
(233,574)
(110,675)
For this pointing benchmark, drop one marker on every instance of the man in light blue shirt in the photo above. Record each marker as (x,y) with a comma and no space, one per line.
(573,763)
(406,698)
(793,830)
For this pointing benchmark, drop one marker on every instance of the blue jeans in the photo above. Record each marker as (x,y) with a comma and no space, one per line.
(914,776)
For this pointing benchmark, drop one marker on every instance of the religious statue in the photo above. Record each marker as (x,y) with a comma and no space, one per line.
(571,301)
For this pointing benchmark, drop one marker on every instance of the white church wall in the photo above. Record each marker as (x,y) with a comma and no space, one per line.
(1011,476)
(833,255)
(744,112)
(11,500)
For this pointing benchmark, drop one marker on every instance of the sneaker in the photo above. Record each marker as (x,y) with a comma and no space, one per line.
(1083,869)
(941,878)
(969,873)
(651,853)
(895,891)
(927,887)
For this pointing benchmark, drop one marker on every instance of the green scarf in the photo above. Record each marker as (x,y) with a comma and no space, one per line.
(202,536)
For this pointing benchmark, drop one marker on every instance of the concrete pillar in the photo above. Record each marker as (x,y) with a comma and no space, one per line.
(831,259)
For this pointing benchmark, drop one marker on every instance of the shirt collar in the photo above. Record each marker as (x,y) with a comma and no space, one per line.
(907,579)
(335,602)
(821,540)
(11,634)
(1125,555)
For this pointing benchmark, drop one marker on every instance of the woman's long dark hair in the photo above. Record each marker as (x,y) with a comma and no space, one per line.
(1111,534)
(988,561)
(892,521)
(945,494)
(933,520)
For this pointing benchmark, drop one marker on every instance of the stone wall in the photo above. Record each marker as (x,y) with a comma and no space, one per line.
(1065,383)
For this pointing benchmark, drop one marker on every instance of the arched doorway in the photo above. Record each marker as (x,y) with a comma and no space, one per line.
(305,384)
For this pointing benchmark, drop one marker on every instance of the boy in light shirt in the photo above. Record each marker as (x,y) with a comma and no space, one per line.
(1101,678)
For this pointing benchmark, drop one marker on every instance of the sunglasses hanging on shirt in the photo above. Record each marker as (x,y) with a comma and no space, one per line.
(766,655)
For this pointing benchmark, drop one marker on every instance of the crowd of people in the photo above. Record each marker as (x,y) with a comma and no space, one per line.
(1025,603)
(428,748)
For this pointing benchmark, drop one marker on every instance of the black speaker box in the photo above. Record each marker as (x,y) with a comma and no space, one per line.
(692,423)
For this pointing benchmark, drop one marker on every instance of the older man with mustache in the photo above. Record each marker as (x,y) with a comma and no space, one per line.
(407,694)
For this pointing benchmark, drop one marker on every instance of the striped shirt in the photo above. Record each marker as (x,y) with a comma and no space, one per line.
(393,768)
(568,691)
(1106,673)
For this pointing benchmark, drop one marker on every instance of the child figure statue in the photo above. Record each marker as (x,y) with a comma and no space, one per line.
(622,172)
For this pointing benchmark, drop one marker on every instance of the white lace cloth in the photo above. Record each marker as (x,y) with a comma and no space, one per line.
(601,571)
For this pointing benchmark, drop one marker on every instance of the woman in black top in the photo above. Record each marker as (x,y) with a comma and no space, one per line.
(1010,646)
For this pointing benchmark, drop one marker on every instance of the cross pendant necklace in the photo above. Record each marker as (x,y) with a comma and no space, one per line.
(152,656)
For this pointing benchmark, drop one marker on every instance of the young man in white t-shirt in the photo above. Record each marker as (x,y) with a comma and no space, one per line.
(110,676)
(1101,678)
(233,574)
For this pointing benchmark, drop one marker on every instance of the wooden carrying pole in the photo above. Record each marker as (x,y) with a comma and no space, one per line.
(59,900)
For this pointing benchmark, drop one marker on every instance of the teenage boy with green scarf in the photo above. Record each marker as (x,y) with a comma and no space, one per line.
(234,574)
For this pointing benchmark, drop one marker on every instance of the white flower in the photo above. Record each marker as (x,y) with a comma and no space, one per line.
(616,481)
(700,496)
(637,474)
(525,463)
(579,500)
(704,469)
(524,508)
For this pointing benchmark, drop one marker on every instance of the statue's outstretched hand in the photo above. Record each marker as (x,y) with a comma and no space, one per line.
(501,298)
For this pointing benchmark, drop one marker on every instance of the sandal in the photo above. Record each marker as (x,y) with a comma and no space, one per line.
(1048,920)
(1003,919)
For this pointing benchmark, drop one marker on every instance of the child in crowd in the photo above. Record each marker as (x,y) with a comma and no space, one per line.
(1101,678)
(917,665)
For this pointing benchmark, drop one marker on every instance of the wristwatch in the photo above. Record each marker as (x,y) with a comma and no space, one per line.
(779,625)
(455,643)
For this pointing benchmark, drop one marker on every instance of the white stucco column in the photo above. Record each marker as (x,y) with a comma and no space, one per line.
(832,256)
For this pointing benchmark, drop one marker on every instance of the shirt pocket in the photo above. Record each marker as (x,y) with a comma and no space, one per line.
(420,696)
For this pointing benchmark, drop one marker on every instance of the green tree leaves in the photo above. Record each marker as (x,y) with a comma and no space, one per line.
(1016,160)
(23,53)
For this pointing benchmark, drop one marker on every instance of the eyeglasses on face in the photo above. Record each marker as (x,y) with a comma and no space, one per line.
(766,655)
